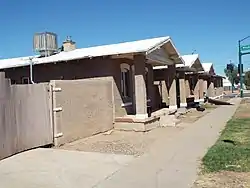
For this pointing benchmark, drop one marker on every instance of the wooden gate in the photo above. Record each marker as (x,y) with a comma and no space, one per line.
(25,117)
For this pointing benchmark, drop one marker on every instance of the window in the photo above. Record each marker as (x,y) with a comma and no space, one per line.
(25,80)
(125,80)
(13,82)
(192,83)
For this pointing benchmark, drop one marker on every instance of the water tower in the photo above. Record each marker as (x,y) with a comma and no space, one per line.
(45,43)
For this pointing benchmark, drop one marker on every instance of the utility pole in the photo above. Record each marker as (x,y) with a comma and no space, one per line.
(240,72)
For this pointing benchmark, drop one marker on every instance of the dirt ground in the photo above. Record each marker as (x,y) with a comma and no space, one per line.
(130,143)
(121,142)
(243,111)
(193,115)
(223,180)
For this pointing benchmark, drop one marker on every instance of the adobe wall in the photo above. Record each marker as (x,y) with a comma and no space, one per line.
(100,67)
(86,108)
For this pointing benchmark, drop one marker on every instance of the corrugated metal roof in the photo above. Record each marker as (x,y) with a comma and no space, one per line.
(140,46)
(188,60)
(207,66)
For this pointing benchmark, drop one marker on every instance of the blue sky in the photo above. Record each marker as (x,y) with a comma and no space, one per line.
(211,27)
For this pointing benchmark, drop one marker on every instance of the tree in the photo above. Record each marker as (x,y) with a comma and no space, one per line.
(232,74)
(247,79)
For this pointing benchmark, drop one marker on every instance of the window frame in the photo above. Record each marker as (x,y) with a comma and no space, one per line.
(125,80)
(146,79)
(25,80)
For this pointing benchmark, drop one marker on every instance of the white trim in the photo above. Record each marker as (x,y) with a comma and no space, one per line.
(57,89)
(219,96)
(201,72)
(25,79)
(141,116)
(197,100)
(201,100)
(182,105)
(130,103)
(58,109)
(126,104)
(124,66)
(158,46)
(58,135)
(160,67)
(173,107)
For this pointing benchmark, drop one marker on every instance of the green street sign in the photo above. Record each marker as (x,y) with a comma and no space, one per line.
(245,47)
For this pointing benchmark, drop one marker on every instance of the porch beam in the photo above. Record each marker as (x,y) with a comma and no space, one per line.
(196,88)
(140,87)
(201,85)
(182,90)
(172,89)
(210,90)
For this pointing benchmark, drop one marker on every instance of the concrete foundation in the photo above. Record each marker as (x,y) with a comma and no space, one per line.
(134,124)
(161,118)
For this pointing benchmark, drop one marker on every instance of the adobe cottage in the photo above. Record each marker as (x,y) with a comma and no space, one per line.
(180,83)
(212,83)
(129,67)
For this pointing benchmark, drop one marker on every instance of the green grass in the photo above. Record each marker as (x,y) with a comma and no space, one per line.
(228,156)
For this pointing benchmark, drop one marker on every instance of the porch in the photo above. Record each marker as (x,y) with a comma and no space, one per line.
(189,84)
(212,85)
(146,113)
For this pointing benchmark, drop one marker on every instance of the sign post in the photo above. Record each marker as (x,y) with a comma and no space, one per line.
(245,47)
(241,53)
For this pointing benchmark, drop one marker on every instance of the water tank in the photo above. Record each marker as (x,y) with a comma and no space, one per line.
(45,43)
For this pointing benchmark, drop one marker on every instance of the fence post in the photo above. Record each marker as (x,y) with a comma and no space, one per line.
(54,109)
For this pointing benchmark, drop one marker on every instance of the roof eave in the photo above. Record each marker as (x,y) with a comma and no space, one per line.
(176,58)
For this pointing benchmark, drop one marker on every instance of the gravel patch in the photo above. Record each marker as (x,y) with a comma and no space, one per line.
(192,115)
(223,180)
(121,142)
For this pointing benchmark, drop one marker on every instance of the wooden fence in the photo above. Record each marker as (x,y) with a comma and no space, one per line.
(25,117)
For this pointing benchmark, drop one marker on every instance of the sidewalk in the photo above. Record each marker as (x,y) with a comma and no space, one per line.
(171,161)
(173,164)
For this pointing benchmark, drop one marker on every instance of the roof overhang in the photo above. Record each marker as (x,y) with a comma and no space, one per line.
(158,51)
(208,67)
(197,65)
(191,63)
(218,76)
(164,53)
(186,69)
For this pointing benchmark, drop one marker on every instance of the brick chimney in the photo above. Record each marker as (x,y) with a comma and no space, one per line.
(68,44)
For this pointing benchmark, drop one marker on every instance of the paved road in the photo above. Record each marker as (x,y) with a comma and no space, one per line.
(170,162)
